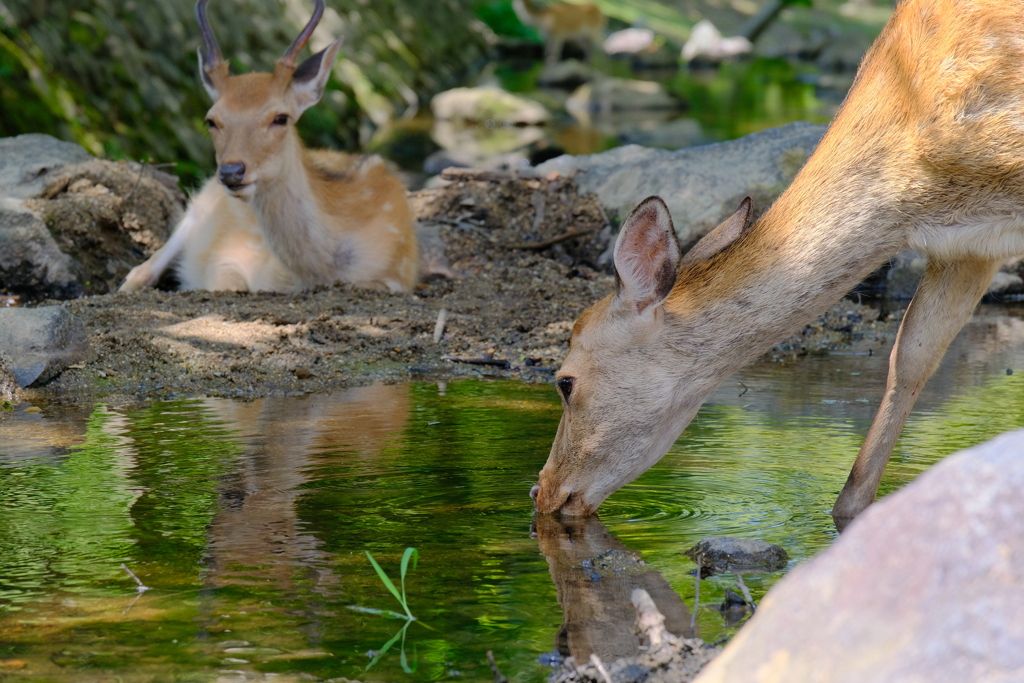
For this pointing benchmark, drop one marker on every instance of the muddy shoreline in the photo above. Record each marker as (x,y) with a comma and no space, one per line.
(527,256)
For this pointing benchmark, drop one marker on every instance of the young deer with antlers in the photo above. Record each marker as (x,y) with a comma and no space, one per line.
(927,152)
(280,217)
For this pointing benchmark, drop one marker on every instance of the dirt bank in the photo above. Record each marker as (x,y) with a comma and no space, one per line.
(528,255)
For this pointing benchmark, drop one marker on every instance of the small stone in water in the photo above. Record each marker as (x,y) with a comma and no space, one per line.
(595,577)
(727,554)
(233,643)
(1009,371)
(553,658)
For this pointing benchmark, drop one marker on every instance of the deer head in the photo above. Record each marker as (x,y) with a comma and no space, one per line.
(253,115)
(633,378)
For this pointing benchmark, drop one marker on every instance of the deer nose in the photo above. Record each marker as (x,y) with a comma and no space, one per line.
(534,491)
(232,174)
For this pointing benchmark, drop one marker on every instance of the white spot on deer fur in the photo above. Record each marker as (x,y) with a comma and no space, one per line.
(386,207)
(392,229)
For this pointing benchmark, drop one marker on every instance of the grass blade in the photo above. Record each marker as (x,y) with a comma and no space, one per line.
(414,554)
(386,581)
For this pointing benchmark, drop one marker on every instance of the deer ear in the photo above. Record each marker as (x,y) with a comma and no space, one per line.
(725,234)
(646,256)
(310,77)
(212,71)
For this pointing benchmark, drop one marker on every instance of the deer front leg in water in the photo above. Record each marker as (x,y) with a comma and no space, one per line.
(926,152)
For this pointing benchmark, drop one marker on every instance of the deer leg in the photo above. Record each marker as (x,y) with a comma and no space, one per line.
(944,301)
(147,274)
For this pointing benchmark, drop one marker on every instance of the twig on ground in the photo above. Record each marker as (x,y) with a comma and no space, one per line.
(554,240)
(538,210)
(476,174)
(600,667)
(142,588)
(745,388)
(442,318)
(746,593)
(498,676)
(696,598)
(649,619)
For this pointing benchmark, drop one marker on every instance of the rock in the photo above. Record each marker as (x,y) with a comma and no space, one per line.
(673,134)
(10,390)
(41,342)
(1004,282)
(905,271)
(31,262)
(728,554)
(73,225)
(629,41)
(924,586)
(706,42)
(25,161)
(702,185)
(568,74)
(607,95)
(487,104)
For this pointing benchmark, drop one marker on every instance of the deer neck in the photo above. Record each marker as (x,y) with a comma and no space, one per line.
(292,220)
(824,235)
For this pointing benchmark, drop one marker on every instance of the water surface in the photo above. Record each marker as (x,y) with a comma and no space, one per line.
(250,521)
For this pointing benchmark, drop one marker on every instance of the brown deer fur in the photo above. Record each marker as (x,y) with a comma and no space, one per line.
(580,23)
(294,218)
(926,152)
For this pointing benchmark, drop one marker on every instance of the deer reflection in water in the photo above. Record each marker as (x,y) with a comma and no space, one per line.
(595,575)
(257,535)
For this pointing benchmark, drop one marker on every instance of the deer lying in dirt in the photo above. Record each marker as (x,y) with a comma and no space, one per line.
(582,24)
(279,217)
(926,152)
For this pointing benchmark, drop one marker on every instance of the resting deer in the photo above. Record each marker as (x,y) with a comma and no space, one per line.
(280,217)
(582,24)
(926,152)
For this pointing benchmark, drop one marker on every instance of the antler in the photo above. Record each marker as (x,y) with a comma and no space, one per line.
(211,52)
(293,50)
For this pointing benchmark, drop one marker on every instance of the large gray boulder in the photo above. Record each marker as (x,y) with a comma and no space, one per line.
(71,224)
(926,585)
(41,342)
(701,185)
(30,260)
(26,160)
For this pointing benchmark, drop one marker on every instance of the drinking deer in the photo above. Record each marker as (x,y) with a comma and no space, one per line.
(278,216)
(580,23)
(927,152)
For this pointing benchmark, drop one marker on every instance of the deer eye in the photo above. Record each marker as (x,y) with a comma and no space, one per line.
(565,387)
(281,120)
(210,123)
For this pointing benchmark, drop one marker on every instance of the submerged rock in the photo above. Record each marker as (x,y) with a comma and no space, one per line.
(618,94)
(702,185)
(924,585)
(41,342)
(487,104)
(568,74)
(728,554)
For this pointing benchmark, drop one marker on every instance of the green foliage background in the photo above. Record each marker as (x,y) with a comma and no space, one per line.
(119,76)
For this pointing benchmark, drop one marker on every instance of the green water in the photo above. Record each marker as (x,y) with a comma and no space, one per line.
(249,521)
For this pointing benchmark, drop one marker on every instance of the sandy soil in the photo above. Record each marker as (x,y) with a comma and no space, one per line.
(511,306)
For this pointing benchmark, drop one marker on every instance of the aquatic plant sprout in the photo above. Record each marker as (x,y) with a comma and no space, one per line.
(409,553)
